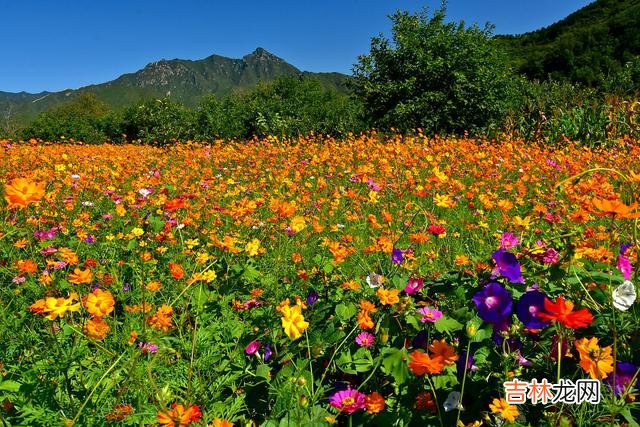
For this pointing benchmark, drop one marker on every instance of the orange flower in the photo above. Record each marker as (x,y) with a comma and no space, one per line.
(562,312)
(38,307)
(178,416)
(27,266)
(80,276)
(176,270)
(161,320)
(507,411)
(615,208)
(596,361)
(68,256)
(99,303)
(96,329)
(364,320)
(388,297)
(421,363)
(21,192)
(153,286)
(444,351)
(374,403)
(217,422)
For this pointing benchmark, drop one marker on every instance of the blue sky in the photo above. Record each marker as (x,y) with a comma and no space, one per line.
(59,44)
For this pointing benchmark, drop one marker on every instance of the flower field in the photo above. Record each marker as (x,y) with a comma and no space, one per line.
(384,281)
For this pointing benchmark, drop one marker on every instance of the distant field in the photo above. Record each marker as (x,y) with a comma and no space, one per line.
(314,281)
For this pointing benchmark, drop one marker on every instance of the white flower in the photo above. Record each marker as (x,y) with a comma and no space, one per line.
(452,402)
(75,176)
(374,280)
(624,295)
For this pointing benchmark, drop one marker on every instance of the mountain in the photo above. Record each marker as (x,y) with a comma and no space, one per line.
(585,47)
(181,80)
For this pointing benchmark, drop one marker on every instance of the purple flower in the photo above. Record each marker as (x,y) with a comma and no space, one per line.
(624,373)
(507,266)
(509,240)
(312,297)
(624,247)
(126,286)
(528,307)
(420,340)
(249,304)
(89,239)
(494,303)
(460,364)
(414,285)
(348,400)
(365,339)
(253,347)
(267,352)
(372,185)
(147,347)
(429,314)
(397,256)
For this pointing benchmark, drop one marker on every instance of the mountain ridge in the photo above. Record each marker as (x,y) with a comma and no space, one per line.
(183,80)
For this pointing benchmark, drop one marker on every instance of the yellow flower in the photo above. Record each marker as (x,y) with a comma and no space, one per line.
(153,286)
(253,247)
(137,231)
(298,223)
(507,411)
(209,276)
(57,307)
(293,321)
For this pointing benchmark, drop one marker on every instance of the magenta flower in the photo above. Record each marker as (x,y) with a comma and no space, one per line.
(365,339)
(429,314)
(509,240)
(550,256)
(348,400)
(148,347)
(624,264)
(414,285)
(252,348)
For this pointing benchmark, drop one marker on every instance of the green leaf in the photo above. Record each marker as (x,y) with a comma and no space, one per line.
(156,223)
(263,371)
(132,245)
(10,386)
(394,363)
(250,273)
(626,413)
(447,324)
(346,311)
(328,267)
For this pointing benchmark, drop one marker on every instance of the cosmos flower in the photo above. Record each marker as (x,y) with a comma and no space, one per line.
(562,312)
(429,314)
(507,266)
(494,303)
(595,360)
(624,264)
(293,321)
(20,192)
(509,240)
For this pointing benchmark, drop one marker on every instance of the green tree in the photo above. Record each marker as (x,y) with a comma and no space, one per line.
(158,122)
(441,77)
(78,119)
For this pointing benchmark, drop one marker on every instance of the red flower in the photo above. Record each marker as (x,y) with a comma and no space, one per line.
(562,312)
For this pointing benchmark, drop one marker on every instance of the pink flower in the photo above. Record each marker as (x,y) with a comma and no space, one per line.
(348,400)
(509,240)
(414,285)
(429,314)
(365,339)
